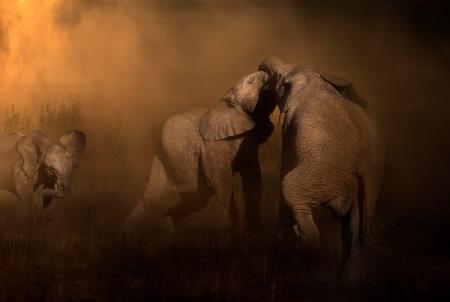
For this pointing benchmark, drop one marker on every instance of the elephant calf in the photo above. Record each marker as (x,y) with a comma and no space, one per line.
(30,163)
(201,150)
(332,153)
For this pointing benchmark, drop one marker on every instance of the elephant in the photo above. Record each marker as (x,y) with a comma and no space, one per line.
(31,164)
(201,150)
(332,154)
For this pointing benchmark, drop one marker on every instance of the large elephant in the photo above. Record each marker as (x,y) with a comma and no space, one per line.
(201,150)
(332,153)
(30,164)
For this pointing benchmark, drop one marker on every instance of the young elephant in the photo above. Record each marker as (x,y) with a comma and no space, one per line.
(332,153)
(30,163)
(201,150)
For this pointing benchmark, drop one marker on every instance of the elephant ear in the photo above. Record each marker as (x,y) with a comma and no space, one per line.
(337,82)
(32,149)
(225,120)
(74,141)
(344,87)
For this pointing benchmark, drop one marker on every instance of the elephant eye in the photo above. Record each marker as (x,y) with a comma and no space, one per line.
(285,89)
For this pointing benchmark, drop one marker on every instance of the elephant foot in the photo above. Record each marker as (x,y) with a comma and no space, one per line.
(167,225)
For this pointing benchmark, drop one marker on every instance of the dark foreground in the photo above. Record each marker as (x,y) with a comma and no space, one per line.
(411,261)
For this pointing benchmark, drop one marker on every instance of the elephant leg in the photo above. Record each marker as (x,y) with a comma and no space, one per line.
(235,214)
(195,194)
(308,232)
(286,221)
(349,236)
(251,183)
(301,206)
(139,210)
(190,203)
(371,184)
(158,186)
(31,206)
(224,193)
(217,159)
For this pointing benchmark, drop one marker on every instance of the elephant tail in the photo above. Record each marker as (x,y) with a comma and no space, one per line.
(362,215)
(369,187)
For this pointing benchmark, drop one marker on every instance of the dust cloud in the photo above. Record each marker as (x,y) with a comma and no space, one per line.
(117,69)
(156,57)
(141,58)
(146,60)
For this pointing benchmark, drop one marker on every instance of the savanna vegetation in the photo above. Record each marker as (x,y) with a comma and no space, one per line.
(80,254)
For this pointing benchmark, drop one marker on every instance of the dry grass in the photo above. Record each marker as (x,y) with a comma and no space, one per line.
(81,256)
(102,266)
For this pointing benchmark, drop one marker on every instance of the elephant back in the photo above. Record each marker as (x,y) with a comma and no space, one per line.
(181,144)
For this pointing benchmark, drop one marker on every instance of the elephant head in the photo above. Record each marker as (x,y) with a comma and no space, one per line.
(52,165)
(247,104)
(282,76)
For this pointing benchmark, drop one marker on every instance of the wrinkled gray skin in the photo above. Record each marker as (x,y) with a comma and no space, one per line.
(30,164)
(201,150)
(332,155)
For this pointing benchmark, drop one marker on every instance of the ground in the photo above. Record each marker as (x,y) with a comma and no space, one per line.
(401,261)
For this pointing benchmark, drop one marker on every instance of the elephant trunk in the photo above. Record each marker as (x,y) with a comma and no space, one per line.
(59,192)
(53,193)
